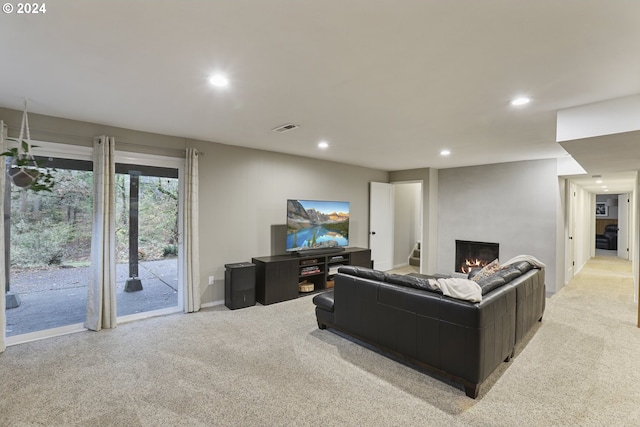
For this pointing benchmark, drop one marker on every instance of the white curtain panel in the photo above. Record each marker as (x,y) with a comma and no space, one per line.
(191,240)
(101,300)
(3,272)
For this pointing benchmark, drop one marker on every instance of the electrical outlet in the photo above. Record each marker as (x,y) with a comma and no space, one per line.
(211,280)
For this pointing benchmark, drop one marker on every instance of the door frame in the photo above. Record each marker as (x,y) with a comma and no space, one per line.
(129,157)
(66,151)
(420,215)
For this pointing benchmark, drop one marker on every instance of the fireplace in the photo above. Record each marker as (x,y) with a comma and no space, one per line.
(474,254)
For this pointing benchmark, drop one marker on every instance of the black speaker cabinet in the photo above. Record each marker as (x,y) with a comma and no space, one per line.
(240,285)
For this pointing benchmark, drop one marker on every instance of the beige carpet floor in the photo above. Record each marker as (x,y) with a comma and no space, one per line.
(271,366)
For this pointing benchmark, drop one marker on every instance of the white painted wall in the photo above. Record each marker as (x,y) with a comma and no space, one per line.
(513,204)
(565,240)
(601,118)
(634,244)
(407,212)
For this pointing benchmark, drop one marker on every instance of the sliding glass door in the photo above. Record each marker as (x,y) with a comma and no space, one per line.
(48,242)
(147,231)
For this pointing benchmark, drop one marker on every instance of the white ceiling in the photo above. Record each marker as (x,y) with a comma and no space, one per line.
(612,159)
(607,183)
(388,84)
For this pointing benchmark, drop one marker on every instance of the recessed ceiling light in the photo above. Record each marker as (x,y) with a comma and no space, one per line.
(219,80)
(599,181)
(522,100)
(323,145)
(445,153)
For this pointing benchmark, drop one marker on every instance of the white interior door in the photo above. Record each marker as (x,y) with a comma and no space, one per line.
(381,225)
(623,226)
(571,232)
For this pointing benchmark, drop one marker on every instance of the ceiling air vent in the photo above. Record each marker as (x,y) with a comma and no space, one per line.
(285,128)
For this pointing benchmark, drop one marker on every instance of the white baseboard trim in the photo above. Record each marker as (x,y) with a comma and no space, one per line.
(147,314)
(79,327)
(44,334)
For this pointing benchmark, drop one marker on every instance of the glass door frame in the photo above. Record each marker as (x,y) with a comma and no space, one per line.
(83,152)
(167,162)
(63,151)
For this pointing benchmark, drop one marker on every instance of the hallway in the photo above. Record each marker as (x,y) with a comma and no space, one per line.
(600,296)
(606,279)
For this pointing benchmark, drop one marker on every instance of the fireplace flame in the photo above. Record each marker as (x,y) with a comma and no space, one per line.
(469,264)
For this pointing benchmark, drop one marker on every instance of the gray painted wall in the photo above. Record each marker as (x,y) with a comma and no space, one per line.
(243,192)
(74,132)
(612,202)
(513,204)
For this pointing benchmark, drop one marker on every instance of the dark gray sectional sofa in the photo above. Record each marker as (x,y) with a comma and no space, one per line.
(409,319)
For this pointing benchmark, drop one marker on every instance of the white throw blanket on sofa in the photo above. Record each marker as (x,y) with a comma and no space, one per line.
(529,258)
(458,288)
(469,290)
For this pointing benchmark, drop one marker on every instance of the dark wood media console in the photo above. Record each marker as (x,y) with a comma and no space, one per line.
(278,276)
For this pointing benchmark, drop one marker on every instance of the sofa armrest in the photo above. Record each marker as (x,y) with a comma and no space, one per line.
(354,308)
(476,340)
(530,300)
(324,301)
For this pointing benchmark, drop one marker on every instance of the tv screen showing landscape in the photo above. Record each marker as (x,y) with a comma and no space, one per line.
(317,224)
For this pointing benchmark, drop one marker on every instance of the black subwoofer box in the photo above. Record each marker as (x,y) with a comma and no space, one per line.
(240,285)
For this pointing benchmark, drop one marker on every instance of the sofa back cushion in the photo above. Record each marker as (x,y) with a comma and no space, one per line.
(489,283)
(365,273)
(522,266)
(509,273)
(499,278)
(492,280)
(411,282)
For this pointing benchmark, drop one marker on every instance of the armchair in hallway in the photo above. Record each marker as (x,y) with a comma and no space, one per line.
(609,239)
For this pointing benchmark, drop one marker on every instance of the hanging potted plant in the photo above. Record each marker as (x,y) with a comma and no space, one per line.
(24,170)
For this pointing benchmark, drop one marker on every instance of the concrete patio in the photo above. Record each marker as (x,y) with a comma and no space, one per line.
(58,296)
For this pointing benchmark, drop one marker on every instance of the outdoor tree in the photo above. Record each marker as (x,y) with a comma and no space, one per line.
(52,228)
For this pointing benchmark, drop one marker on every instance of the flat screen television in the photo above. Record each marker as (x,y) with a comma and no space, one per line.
(317,225)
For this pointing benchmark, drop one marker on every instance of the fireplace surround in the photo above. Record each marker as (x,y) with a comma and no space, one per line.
(471,254)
